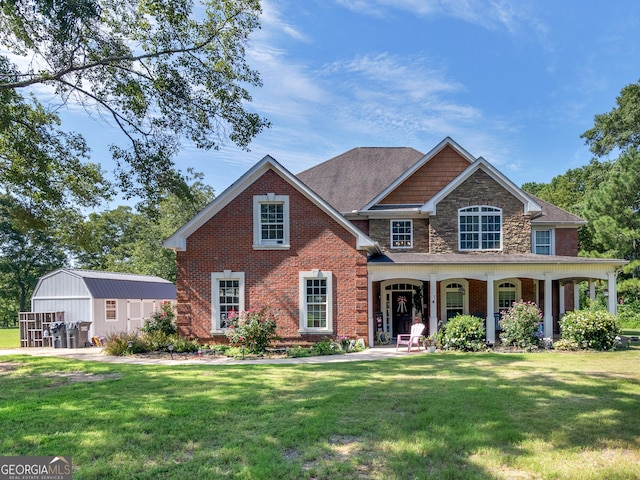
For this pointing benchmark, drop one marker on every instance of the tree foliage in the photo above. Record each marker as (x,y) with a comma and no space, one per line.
(125,240)
(619,128)
(163,71)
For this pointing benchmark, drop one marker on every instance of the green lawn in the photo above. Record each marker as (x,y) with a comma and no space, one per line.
(453,416)
(9,337)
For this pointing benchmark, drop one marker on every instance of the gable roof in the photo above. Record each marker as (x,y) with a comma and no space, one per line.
(178,240)
(351,180)
(446,142)
(120,285)
(531,207)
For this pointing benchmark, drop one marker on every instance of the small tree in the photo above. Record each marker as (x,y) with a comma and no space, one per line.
(255,329)
(519,325)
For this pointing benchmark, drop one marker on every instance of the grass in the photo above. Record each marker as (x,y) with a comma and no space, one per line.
(454,416)
(9,337)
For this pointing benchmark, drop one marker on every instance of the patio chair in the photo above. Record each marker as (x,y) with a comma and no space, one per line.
(411,339)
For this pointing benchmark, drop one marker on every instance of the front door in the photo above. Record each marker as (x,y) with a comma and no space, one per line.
(402,307)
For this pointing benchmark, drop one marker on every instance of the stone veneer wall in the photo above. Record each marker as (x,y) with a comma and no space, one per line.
(480,189)
(380,231)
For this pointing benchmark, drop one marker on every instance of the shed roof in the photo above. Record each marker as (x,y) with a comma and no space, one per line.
(123,285)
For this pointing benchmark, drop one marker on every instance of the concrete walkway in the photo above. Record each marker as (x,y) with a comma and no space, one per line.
(94,354)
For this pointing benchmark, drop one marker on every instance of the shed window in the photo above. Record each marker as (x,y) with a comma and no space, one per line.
(110,312)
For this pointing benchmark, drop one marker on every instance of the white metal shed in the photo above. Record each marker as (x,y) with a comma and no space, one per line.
(112,302)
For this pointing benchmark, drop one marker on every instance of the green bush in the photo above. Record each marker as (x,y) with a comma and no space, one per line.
(326,346)
(117,344)
(255,329)
(519,325)
(299,352)
(629,315)
(184,344)
(462,332)
(591,329)
(162,320)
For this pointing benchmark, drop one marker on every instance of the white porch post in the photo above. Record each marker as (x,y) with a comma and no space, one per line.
(576,295)
(433,304)
(548,306)
(491,323)
(592,289)
(613,293)
(561,299)
(372,321)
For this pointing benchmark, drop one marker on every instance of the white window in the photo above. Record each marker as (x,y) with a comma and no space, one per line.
(454,304)
(506,295)
(401,233)
(111,310)
(316,301)
(227,295)
(542,243)
(480,228)
(270,221)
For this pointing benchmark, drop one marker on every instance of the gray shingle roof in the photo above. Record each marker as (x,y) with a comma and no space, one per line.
(554,215)
(126,285)
(351,180)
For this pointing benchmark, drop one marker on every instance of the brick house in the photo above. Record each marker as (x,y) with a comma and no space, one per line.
(374,238)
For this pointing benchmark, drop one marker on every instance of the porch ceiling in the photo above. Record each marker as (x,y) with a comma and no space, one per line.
(484,266)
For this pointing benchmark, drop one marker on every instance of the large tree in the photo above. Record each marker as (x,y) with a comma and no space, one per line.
(125,240)
(163,71)
(619,128)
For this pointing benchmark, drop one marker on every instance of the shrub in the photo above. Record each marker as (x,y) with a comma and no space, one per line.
(299,352)
(255,329)
(162,320)
(462,332)
(326,346)
(596,329)
(567,345)
(519,325)
(117,344)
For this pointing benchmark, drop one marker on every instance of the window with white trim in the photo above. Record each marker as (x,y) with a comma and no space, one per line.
(401,233)
(270,221)
(227,294)
(480,228)
(506,295)
(110,310)
(542,242)
(316,301)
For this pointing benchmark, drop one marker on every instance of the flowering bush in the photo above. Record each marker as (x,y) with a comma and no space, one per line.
(519,325)
(255,329)
(162,321)
(462,332)
(595,329)
(327,346)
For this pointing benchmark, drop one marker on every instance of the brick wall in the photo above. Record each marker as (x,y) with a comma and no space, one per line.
(567,241)
(480,189)
(272,276)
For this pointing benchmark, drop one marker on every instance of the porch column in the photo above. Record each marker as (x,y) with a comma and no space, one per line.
(561,299)
(372,321)
(613,293)
(548,306)
(491,323)
(592,289)
(433,304)
(576,295)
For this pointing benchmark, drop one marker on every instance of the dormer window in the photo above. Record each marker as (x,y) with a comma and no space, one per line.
(401,234)
(270,221)
(480,228)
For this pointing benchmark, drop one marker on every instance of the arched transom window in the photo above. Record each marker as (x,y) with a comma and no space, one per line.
(480,228)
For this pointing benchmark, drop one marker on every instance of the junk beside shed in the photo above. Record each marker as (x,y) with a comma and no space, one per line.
(48,329)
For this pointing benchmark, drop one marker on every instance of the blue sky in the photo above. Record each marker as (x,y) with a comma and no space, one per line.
(514,81)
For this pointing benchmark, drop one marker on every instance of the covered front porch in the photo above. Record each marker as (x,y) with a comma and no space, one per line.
(434,288)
